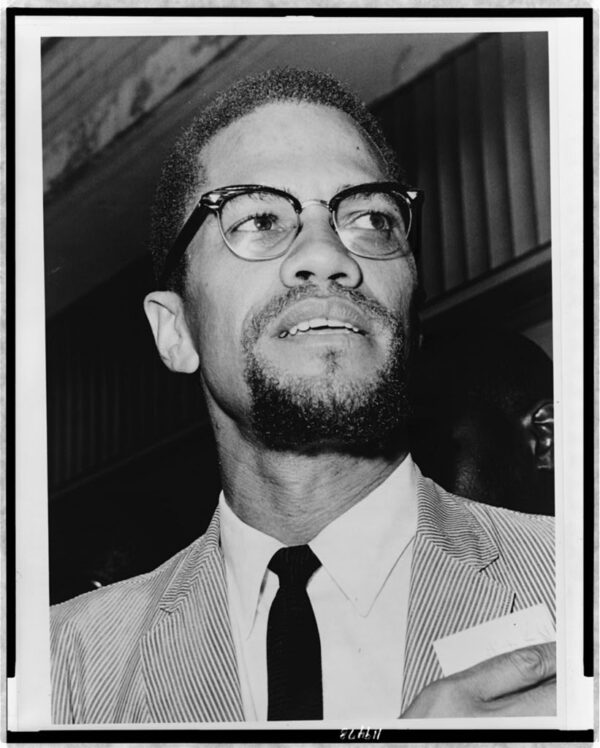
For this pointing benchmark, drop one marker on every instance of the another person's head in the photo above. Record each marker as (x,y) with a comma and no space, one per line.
(483,419)
(298,312)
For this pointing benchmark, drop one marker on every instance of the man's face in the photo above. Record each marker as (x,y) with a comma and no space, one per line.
(247,318)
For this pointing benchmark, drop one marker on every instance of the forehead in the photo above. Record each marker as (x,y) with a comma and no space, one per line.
(283,143)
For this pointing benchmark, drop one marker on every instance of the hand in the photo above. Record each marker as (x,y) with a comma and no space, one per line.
(521,683)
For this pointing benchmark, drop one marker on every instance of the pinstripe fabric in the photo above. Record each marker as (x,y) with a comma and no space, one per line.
(471,563)
(158,648)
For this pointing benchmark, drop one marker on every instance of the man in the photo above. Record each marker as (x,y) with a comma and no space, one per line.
(482,424)
(286,280)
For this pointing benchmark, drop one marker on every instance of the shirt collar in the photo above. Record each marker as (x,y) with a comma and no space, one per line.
(358,549)
(247,552)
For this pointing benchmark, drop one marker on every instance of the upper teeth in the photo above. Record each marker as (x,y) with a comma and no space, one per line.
(315,323)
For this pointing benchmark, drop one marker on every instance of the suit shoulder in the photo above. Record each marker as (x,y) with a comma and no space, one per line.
(525,545)
(503,523)
(96,640)
(526,548)
(121,603)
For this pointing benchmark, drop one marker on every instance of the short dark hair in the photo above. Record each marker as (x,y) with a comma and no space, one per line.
(182,173)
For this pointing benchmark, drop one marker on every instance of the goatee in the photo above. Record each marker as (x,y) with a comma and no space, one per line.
(303,415)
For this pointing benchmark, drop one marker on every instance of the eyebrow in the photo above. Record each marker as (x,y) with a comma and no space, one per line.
(339,188)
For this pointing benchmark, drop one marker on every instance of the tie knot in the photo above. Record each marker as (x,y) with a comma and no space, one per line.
(294,565)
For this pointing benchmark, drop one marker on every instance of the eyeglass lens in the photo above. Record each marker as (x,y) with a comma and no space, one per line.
(262,225)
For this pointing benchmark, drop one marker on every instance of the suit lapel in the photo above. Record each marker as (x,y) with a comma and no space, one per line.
(188,655)
(449,590)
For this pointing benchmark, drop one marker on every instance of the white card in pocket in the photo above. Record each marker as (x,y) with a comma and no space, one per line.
(471,646)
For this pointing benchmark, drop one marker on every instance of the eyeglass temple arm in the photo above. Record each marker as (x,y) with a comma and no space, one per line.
(183,241)
(414,239)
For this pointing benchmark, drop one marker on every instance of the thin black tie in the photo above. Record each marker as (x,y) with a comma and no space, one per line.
(293,644)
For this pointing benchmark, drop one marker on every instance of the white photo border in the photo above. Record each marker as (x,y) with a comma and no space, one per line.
(29,709)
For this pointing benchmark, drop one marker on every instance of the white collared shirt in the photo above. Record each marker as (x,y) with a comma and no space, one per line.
(359,596)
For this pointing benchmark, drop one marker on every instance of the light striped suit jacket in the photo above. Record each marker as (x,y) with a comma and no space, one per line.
(158,647)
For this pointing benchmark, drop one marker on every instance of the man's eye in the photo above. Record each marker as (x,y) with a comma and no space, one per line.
(371,221)
(258,222)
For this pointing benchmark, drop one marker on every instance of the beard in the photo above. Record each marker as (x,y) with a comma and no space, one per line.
(309,415)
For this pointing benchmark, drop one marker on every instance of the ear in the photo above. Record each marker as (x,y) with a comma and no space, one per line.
(174,342)
(542,426)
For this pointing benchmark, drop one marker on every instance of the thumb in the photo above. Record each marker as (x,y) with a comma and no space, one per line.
(512,671)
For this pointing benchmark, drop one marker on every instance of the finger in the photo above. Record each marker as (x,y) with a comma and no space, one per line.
(539,701)
(510,672)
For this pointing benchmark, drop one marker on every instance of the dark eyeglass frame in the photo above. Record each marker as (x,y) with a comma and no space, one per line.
(213,202)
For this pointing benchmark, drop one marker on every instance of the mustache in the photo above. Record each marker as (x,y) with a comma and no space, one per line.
(278,304)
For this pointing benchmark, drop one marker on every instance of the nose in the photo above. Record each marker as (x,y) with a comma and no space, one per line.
(317,254)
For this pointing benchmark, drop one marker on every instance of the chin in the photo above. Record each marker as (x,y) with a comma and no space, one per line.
(324,383)
(336,411)
(325,360)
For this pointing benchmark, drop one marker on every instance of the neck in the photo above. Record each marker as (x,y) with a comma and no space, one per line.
(293,496)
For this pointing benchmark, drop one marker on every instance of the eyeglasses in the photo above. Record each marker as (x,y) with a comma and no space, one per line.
(373,220)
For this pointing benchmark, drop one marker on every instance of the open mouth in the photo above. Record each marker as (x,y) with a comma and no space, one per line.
(321,325)
(319,316)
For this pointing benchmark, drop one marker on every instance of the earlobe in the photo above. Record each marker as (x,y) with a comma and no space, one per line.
(175,345)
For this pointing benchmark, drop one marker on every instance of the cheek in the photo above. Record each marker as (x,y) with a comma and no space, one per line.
(209,284)
(217,329)
(393,283)
(217,338)
(221,296)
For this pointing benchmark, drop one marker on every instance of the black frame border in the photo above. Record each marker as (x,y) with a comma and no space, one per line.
(589,380)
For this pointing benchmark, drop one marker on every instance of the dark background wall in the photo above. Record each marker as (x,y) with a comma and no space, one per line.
(132,467)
